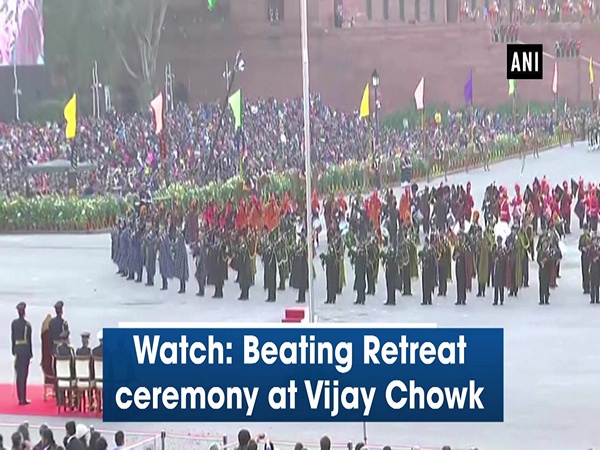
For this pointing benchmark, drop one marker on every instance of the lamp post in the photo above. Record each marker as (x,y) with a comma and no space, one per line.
(375,82)
(229,76)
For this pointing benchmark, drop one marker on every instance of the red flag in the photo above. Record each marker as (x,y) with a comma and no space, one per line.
(157,108)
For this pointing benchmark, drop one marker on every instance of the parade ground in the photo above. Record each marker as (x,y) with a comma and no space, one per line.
(552,361)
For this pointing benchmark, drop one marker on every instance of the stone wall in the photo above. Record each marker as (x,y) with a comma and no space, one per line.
(341,60)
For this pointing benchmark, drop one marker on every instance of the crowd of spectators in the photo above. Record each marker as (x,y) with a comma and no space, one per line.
(126,152)
(77,437)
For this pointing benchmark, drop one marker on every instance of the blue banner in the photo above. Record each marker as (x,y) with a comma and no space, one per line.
(317,374)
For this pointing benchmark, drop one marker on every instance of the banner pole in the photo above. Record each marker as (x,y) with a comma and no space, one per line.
(307,163)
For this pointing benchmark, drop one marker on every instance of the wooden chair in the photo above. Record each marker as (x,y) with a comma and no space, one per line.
(65,383)
(98,380)
(83,381)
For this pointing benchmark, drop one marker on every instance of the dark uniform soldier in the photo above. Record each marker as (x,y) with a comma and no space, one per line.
(97,351)
(499,266)
(428,261)
(57,325)
(584,246)
(85,349)
(22,351)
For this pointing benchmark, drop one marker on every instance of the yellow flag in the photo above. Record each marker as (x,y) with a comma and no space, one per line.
(71,117)
(591,70)
(365,111)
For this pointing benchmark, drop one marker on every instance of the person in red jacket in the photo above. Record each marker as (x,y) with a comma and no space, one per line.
(517,204)
(593,209)
(504,207)
(469,203)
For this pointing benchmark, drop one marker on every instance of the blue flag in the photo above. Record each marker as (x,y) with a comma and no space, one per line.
(469,89)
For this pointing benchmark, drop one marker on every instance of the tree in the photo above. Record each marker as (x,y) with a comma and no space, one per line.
(138,22)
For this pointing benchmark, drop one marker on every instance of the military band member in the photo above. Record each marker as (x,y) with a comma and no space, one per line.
(150,250)
(136,262)
(299,274)
(244,269)
(269,257)
(358,258)
(585,241)
(444,264)
(22,351)
(390,259)
(500,258)
(85,349)
(595,271)
(57,325)
(545,267)
(460,259)
(427,257)
(330,262)
(165,259)
(373,253)
(199,255)
(485,248)
(180,259)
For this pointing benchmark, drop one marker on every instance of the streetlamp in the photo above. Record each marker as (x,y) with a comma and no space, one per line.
(375,82)
(229,75)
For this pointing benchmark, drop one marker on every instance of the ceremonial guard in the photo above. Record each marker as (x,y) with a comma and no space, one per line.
(165,259)
(595,271)
(390,259)
(299,275)
(565,201)
(585,241)
(199,255)
(85,349)
(22,351)
(97,352)
(460,258)
(500,263)
(150,252)
(358,258)
(57,325)
(404,252)
(428,262)
(181,265)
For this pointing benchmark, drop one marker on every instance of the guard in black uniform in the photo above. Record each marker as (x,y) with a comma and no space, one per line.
(85,349)
(97,351)
(57,325)
(22,351)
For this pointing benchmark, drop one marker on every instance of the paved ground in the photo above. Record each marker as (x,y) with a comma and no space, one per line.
(552,362)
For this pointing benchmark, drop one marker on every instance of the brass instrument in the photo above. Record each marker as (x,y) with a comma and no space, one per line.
(524,239)
(404,254)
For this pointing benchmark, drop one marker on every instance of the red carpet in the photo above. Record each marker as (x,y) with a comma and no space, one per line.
(38,407)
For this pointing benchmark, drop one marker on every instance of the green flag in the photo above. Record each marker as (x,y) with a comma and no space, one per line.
(211,4)
(512,87)
(235,101)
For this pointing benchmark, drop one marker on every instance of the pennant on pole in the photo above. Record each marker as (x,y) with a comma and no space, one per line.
(420,95)
(70,114)
(365,110)
(512,87)
(591,69)
(468,91)
(157,108)
(236,103)
(212,4)
(555,79)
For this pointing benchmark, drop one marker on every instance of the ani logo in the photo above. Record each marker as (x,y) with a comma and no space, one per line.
(525,62)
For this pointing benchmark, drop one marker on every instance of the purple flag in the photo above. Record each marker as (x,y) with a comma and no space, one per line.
(469,89)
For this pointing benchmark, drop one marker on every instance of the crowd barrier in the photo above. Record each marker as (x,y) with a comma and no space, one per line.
(176,441)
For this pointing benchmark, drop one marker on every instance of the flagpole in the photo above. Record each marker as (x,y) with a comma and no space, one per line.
(307,163)
(425,148)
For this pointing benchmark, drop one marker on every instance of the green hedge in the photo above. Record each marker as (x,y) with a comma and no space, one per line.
(55,213)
